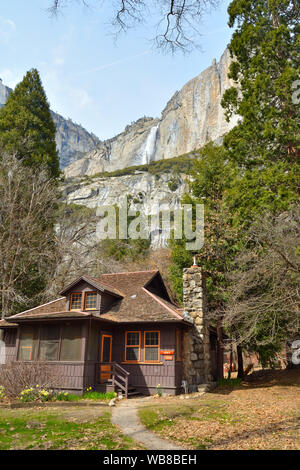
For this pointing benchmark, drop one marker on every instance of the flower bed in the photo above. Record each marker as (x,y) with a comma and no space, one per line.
(41,395)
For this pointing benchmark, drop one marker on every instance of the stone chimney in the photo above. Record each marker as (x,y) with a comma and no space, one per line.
(196,345)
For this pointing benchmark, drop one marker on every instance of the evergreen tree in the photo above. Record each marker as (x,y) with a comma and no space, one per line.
(266,64)
(213,175)
(27,129)
(266,142)
(258,170)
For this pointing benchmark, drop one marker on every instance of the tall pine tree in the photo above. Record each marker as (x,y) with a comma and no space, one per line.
(266,64)
(259,170)
(27,129)
(265,48)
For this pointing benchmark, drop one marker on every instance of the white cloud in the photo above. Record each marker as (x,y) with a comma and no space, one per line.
(60,51)
(7,30)
(61,94)
(10,77)
(58,55)
(11,24)
(116,62)
(80,96)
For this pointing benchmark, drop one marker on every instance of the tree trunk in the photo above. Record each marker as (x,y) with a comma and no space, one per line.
(240,362)
(230,363)
(220,353)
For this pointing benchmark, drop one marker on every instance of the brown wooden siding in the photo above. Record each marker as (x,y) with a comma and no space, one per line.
(83,287)
(78,376)
(106,301)
(10,339)
(146,376)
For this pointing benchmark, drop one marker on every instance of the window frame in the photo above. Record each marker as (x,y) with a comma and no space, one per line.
(33,337)
(102,344)
(40,339)
(71,301)
(178,341)
(132,346)
(152,346)
(85,299)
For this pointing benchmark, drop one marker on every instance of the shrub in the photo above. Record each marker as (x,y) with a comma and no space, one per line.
(16,377)
(65,396)
(173,184)
(181,164)
(36,394)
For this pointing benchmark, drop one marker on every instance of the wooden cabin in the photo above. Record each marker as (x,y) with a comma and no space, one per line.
(117,331)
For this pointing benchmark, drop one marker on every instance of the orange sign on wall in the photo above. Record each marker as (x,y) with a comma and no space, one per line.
(169,358)
(167,353)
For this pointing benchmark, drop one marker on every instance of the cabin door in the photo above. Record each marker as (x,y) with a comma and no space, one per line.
(105,359)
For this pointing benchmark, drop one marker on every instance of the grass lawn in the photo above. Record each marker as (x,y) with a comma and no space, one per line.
(259,414)
(77,428)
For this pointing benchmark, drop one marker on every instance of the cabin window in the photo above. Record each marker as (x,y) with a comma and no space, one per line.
(49,343)
(178,345)
(27,345)
(71,343)
(133,346)
(152,346)
(76,301)
(91,301)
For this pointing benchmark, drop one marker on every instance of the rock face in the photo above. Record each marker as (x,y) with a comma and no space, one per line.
(72,140)
(192,117)
(4,93)
(134,146)
(140,188)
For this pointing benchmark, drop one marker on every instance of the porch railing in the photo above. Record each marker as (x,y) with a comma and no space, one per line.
(119,377)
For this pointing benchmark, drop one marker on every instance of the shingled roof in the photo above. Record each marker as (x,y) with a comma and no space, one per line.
(50,308)
(133,301)
(6,324)
(138,304)
(127,282)
(95,282)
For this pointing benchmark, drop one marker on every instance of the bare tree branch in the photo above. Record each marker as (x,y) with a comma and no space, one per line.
(264,304)
(177,27)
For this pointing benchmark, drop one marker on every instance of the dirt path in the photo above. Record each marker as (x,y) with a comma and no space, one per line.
(125,416)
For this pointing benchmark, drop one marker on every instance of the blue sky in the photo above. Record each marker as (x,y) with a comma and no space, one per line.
(102,84)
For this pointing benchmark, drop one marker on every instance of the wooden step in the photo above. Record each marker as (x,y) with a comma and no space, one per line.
(131,394)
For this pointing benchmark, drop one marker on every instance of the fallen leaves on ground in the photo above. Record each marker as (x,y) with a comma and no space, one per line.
(261,414)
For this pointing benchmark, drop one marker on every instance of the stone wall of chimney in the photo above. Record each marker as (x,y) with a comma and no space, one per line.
(196,344)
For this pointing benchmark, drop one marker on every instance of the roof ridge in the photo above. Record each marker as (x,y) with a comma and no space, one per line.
(161,302)
(98,280)
(129,272)
(93,280)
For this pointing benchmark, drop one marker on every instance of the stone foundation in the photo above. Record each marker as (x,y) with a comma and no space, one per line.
(196,345)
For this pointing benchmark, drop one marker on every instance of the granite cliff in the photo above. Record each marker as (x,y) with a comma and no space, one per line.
(191,118)
(150,190)
(72,140)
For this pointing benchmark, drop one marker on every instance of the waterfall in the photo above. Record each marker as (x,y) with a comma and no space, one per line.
(148,149)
